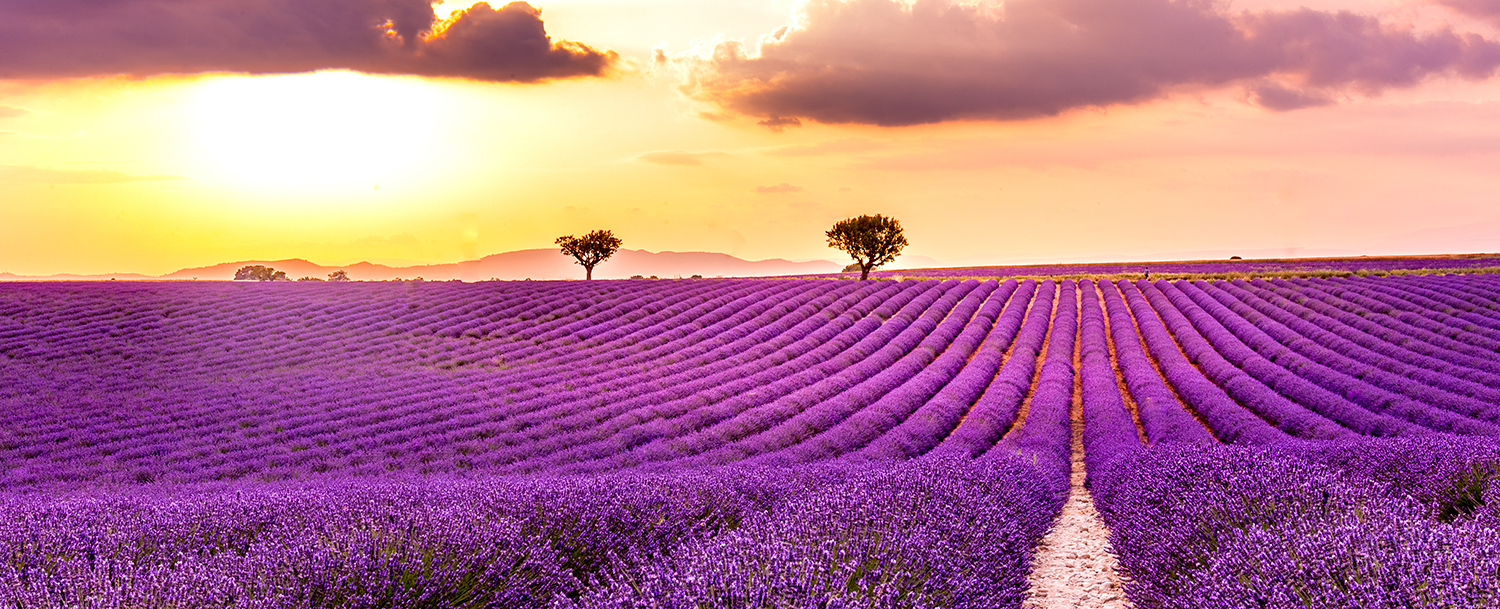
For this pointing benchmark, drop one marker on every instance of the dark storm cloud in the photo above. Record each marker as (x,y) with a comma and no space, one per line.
(883,62)
(69,38)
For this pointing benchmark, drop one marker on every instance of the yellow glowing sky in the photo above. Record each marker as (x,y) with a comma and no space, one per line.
(151,175)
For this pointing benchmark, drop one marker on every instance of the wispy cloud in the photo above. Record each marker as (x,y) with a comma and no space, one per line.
(843,146)
(10,112)
(21,173)
(901,62)
(679,157)
(70,38)
(778,189)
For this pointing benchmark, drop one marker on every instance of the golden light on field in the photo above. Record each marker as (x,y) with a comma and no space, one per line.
(326,131)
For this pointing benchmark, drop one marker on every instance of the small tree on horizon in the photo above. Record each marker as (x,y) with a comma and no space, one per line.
(870,240)
(339,275)
(589,250)
(260,272)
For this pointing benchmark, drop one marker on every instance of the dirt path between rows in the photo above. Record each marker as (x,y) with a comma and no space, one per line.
(1074,566)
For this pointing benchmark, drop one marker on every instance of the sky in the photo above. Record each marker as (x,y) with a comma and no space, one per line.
(146,136)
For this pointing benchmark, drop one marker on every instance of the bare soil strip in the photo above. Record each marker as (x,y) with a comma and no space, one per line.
(1074,566)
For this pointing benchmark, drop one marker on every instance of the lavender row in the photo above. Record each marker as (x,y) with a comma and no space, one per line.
(1333,372)
(1460,309)
(1259,380)
(1044,435)
(1386,523)
(1428,313)
(1229,421)
(935,362)
(995,411)
(935,419)
(809,412)
(1388,329)
(1163,417)
(825,535)
(389,405)
(1324,339)
(1109,429)
(878,338)
(695,414)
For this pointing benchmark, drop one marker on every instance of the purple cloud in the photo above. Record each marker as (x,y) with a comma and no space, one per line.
(1272,96)
(71,38)
(777,124)
(1488,10)
(886,62)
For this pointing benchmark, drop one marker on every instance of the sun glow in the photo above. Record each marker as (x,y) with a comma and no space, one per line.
(316,132)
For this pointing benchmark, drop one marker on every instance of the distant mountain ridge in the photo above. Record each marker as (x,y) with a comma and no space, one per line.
(521,264)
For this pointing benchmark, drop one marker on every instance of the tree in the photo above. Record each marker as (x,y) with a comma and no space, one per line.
(871,240)
(591,249)
(339,275)
(260,272)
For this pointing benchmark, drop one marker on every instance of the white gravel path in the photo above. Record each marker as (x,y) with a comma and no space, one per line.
(1074,566)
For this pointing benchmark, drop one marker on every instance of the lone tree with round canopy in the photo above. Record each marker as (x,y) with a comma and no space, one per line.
(871,240)
(260,272)
(591,249)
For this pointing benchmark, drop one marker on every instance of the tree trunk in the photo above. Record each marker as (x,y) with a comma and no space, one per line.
(588,273)
(864,272)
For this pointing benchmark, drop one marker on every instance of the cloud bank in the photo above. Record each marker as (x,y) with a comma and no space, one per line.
(890,62)
(75,38)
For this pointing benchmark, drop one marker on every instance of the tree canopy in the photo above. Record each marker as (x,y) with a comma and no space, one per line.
(260,272)
(339,275)
(591,249)
(870,240)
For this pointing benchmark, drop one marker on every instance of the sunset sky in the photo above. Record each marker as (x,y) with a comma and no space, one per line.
(151,135)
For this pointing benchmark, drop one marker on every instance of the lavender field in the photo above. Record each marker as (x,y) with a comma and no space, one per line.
(746,443)
(1220,269)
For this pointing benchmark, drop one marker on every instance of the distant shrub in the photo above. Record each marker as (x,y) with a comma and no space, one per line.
(260,272)
(309,279)
(339,275)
